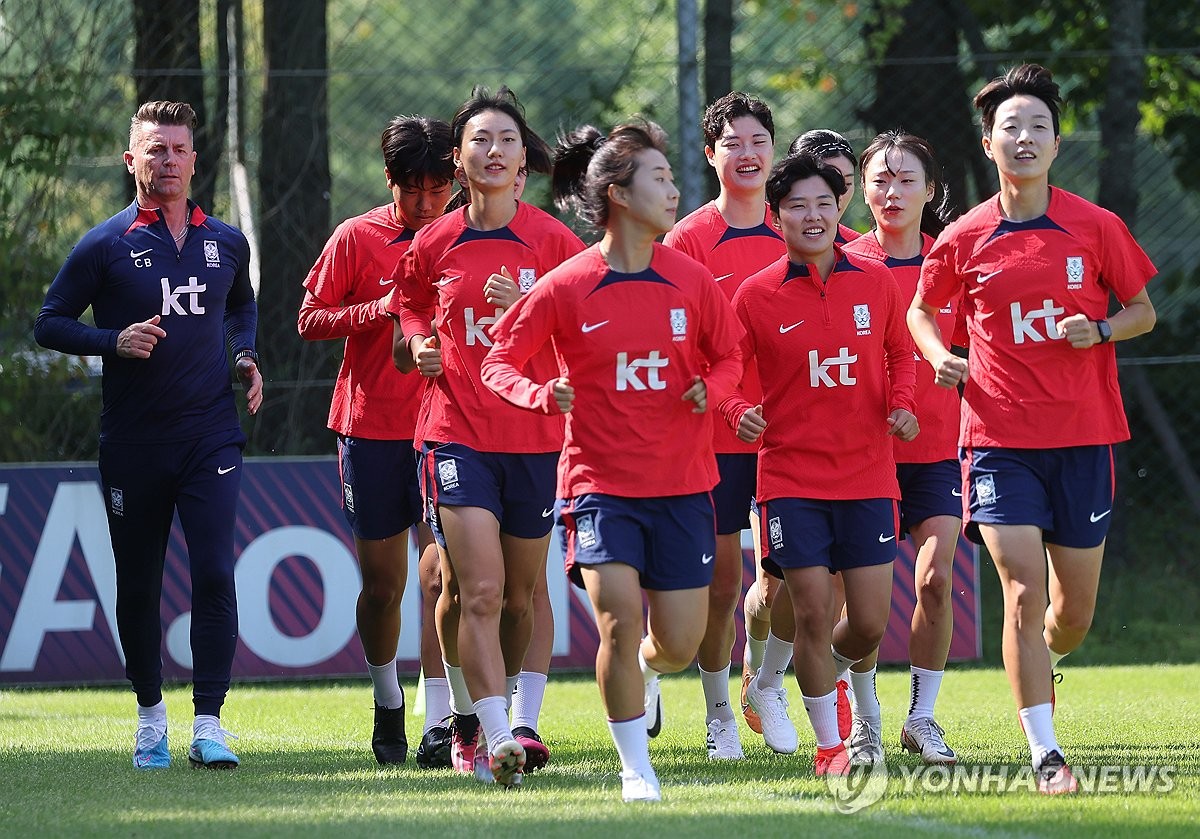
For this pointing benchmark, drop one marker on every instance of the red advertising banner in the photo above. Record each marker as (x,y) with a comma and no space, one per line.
(297,583)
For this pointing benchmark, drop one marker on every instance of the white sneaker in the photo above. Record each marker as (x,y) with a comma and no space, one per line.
(924,737)
(638,787)
(771,705)
(723,741)
(652,703)
(865,744)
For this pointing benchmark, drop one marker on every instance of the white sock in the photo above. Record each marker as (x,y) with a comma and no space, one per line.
(510,687)
(1039,731)
(923,686)
(752,657)
(527,701)
(776,657)
(460,697)
(841,664)
(716,694)
(437,702)
(388,693)
(205,721)
(153,713)
(866,700)
(822,713)
(1055,658)
(633,744)
(493,716)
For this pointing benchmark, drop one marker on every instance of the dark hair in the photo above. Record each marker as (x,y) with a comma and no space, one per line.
(797,167)
(1026,80)
(538,156)
(161,112)
(936,214)
(586,164)
(416,148)
(733,106)
(823,143)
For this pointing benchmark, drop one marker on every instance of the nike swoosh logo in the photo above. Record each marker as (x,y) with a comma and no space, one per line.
(1095,518)
(136,254)
(705,559)
(883,538)
(386,282)
(983,278)
(547,513)
(957,493)
(722,278)
(448,280)
(224,470)
(784,330)
(588,327)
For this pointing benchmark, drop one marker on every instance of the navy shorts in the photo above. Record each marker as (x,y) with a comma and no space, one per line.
(518,489)
(1067,492)
(838,535)
(670,540)
(928,490)
(380,494)
(733,496)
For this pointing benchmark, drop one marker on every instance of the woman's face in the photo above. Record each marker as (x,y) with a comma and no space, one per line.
(808,217)
(651,197)
(846,166)
(1022,142)
(491,153)
(896,190)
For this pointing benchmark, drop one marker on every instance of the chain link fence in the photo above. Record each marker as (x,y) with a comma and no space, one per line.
(69,89)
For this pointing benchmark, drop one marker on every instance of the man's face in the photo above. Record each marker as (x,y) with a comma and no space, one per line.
(162,162)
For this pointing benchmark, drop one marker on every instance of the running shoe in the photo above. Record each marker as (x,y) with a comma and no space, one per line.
(723,741)
(638,787)
(150,749)
(865,744)
(209,751)
(388,741)
(831,761)
(748,713)
(771,705)
(653,707)
(536,753)
(1054,776)
(924,736)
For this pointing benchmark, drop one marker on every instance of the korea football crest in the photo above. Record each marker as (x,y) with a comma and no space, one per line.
(985,490)
(448,475)
(526,277)
(585,531)
(775,532)
(116,499)
(679,324)
(212,255)
(1074,273)
(862,319)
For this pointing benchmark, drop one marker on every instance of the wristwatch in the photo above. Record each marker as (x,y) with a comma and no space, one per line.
(1105,331)
(250,354)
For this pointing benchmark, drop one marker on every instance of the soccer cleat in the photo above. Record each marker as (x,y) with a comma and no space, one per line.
(723,741)
(464,740)
(387,739)
(748,713)
(434,751)
(506,763)
(208,749)
(150,746)
(866,744)
(638,787)
(1055,678)
(653,707)
(831,761)
(536,753)
(844,713)
(923,736)
(771,705)
(1054,776)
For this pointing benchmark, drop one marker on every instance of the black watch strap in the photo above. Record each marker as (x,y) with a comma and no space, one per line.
(250,354)
(1105,331)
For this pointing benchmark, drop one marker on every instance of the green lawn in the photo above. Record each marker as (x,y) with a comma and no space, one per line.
(307,768)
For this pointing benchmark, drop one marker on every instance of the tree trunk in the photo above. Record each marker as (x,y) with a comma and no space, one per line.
(718,64)
(1119,117)
(294,184)
(166,65)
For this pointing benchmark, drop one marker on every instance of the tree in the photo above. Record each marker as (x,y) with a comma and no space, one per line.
(718,62)
(294,184)
(167,65)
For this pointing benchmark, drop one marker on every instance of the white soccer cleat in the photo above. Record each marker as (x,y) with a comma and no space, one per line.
(507,763)
(771,705)
(723,741)
(865,743)
(652,704)
(638,787)
(923,736)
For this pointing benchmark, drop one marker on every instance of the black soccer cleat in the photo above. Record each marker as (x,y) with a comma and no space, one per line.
(388,740)
(434,751)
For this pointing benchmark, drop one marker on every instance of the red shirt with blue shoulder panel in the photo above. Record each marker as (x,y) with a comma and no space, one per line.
(630,345)
(937,407)
(441,280)
(128,269)
(732,254)
(835,359)
(1028,387)
(347,289)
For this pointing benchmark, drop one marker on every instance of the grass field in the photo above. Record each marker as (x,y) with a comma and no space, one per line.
(307,768)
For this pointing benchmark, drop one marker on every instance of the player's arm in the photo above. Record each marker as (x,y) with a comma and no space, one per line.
(1137,317)
(76,285)
(901,367)
(516,337)
(241,329)
(949,370)
(323,313)
(745,419)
